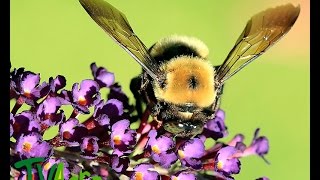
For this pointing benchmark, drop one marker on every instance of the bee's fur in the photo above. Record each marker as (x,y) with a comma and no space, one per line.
(188,80)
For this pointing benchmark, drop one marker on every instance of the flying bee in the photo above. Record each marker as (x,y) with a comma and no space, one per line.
(178,83)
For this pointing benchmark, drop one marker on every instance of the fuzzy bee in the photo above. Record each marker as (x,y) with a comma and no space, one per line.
(179,85)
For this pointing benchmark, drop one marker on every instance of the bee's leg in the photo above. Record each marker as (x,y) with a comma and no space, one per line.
(144,82)
(135,86)
(155,111)
(219,90)
(217,101)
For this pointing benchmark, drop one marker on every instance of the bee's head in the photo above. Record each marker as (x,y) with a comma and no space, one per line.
(188,80)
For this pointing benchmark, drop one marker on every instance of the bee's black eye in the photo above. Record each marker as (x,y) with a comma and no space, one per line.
(193,82)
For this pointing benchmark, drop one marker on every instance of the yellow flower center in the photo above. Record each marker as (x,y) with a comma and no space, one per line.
(117,140)
(139,176)
(82,101)
(181,154)
(47,166)
(26,147)
(220,165)
(156,149)
(175,178)
(27,93)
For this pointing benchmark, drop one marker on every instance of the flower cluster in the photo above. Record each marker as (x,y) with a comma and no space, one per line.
(106,144)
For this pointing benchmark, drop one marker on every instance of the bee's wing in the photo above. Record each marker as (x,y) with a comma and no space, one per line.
(260,33)
(115,24)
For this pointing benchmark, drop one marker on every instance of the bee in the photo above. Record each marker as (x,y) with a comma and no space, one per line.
(178,83)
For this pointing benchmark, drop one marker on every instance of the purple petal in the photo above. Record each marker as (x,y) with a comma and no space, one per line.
(102,76)
(47,112)
(259,146)
(184,175)
(85,96)
(143,171)
(58,83)
(72,132)
(89,147)
(165,159)
(194,148)
(50,105)
(237,138)
(34,126)
(226,163)
(103,120)
(215,128)
(120,126)
(32,146)
(162,143)
(122,137)
(29,81)
(117,93)
(68,126)
(22,124)
(41,90)
(220,114)
(119,164)
(112,108)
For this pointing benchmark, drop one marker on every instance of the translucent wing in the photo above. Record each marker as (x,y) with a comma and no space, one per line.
(260,33)
(115,24)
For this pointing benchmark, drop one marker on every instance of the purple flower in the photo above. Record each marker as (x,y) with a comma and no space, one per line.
(52,161)
(117,93)
(215,128)
(58,83)
(103,120)
(15,79)
(48,112)
(103,77)
(32,145)
(191,152)
(259,146)
(184,175)
(119,164)
(85,96)
(122,137)
(89,147)
(24,123)
(98,126)
(103,144)
(226,163)
(27,86)
(113,108)
(72,132)
(161,149)
(144,171)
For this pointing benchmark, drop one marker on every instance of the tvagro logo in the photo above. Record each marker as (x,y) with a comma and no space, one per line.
(55,172)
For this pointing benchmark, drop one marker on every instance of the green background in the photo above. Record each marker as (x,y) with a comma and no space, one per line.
(54,37)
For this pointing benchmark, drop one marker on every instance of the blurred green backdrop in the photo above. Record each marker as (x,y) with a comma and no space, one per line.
(58,37)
